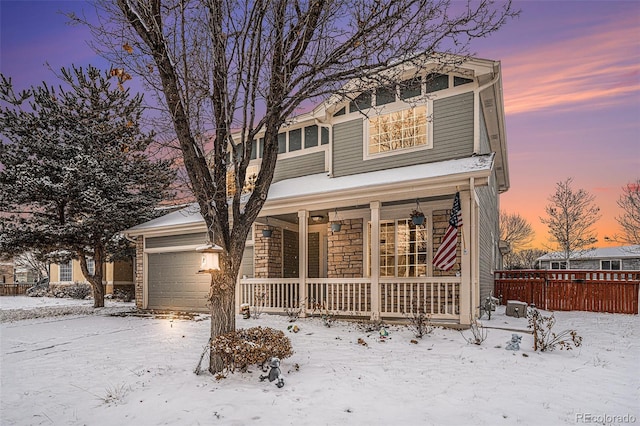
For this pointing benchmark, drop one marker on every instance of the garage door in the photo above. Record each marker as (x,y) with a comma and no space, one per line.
(174,284)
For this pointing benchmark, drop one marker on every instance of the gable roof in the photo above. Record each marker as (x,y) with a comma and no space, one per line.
(621,252)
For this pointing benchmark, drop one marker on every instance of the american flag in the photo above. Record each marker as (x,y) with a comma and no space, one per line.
(445,258)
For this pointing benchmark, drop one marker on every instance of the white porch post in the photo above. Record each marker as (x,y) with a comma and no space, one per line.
(466,288)
(375,259)
(303,249)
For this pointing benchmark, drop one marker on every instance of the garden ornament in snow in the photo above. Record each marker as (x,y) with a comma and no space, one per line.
(383,334)
(274,374)
(514,344)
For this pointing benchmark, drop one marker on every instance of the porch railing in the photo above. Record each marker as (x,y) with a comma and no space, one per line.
(437,296)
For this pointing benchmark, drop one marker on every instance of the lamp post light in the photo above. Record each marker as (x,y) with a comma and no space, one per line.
(210,258)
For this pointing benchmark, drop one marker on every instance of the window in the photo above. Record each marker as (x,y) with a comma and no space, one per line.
(295,140)
(324,135)
(362,101)
(403,249)
(398,130)
(91,266)
(611,265)
(558,265)
(282,143)
(311,136)
(66,271)
(385,95)
(437,82)
(459,81)
(411,88)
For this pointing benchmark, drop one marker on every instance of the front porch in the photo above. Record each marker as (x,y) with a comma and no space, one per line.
(355,297)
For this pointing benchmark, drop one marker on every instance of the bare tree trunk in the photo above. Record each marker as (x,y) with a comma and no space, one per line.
(223,316)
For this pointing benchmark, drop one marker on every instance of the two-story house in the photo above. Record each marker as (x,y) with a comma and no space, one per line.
(336,231)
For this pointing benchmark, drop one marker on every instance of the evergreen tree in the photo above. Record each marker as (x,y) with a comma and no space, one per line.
(74,170)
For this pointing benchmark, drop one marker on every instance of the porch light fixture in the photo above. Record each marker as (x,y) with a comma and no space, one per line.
(267,232)
(317,218)
(336,226)
(210,258)
(417,217)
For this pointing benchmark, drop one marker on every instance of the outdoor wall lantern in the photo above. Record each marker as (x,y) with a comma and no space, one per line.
(336,226)
(267,232)
(417,217)
(210,258)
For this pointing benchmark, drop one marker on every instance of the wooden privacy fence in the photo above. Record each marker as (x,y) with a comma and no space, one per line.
(569,290)
(14,289)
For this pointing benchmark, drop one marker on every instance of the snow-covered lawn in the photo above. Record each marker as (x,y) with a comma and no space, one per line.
(98,369)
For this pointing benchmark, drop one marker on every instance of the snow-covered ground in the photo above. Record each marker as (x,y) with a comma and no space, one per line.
(97,369)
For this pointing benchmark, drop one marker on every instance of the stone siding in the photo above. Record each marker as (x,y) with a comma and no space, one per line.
(345,252)
(268,253)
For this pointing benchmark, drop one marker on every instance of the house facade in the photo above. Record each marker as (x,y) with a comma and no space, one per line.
(118,274)
(364,164)
(623,258)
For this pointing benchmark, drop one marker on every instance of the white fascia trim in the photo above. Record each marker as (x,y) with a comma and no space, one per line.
(171,249)
(190,228)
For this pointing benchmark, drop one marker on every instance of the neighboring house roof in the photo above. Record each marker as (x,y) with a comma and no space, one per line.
(621,252)
(320,186)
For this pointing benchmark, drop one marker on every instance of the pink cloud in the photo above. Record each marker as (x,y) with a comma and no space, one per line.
(594,70)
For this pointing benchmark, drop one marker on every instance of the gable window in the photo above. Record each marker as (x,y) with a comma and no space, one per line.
(411,88)
(611,265)
(385,95)
(66,271)
(403,249)
(398,130)
(558,265)
(437,82)
(362,101)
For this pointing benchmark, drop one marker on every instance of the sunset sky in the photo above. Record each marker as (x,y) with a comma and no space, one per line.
(571,76)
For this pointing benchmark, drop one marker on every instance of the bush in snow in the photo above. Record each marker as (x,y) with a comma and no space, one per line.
(124,294)
(419,321)
(478,333)
(546,340)
(241,348)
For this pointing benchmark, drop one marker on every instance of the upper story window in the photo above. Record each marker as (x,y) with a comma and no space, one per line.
(398,130)
(66,271)
(403,91)
(611,265)
(558,265)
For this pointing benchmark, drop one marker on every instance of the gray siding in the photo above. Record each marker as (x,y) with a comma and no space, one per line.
(246,268)
(176,240)
(489,236)
(452,138)
(303,165)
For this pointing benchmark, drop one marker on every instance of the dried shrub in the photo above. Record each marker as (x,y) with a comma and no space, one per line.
(241,348)
(544,339)
(419,320)
(259,302)
(123,294)
(478,333)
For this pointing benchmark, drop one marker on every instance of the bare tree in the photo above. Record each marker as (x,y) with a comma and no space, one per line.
(629,221)
(230,72)
(570,217)
(517,232)
(35,262)
(525,259)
